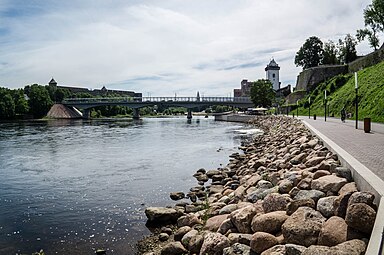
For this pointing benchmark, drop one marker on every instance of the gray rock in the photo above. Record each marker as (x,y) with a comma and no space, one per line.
(312,194)
(237,249)
(214,244)
(211,173)
(340,204)
(188,236)
(195,244)
(361,217)
(262,241)
(325,206)
(161,214)
(259,194)
(361,197)
(163,237)
(348,188)
(285,186)
(177,195)
(166,230)
(275,250)
(352,247)
(314,161)
(173,248)
(226,227)
(240,238)
(294,249)
(228,209)
(344,173)
(303,226)
(181,232)
(242,218)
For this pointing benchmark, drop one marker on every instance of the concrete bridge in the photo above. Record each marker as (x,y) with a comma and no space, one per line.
(138,102)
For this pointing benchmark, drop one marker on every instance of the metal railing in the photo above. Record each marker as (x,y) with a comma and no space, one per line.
(156,99)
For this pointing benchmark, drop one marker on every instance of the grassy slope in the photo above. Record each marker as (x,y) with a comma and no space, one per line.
(371,95)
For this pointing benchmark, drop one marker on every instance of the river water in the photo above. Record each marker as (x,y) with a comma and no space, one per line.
(73,186)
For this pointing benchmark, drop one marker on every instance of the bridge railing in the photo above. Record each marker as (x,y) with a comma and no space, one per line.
(156,99)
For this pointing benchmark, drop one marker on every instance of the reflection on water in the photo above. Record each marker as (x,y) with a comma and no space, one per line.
(75,186)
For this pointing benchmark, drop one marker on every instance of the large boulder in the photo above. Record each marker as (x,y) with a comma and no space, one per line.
(214,222)
(188,220)
(303,227)
(195,244)
(240,238)
(325,206)
(275,250)
(214,244)
(242,218)
(361,217)
(276,202)
(179,233)
(173,248)
(177,195)
(295,204)
(313,194)
(188,236)
(352,247)
(237,249)
(269,222)
(262,241)
(361,197)
(328,183)
(158,215)
(333,232)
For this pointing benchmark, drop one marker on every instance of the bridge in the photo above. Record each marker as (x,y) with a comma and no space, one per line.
(138,102)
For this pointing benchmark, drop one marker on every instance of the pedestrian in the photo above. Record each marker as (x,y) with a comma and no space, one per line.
(343,114)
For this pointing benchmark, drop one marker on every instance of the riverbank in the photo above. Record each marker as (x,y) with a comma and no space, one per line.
(285,193)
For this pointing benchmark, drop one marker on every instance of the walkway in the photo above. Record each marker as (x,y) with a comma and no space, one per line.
(367,148)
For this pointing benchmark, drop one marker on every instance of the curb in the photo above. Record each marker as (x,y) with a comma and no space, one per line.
(365,180)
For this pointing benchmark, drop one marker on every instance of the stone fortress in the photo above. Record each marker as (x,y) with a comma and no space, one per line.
(95,92)
(272,74)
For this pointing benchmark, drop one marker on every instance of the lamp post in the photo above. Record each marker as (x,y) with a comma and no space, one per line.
(356,102)
(297,108)
(325,105)
(309,102)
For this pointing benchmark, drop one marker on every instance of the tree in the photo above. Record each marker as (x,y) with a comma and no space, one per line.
(21,104)
(310,54)
(374,23)
(262,93)
(330,53)
(7,105)
(39,100)
(347,49)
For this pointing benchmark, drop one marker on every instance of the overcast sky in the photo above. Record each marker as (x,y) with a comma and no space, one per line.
(164,47)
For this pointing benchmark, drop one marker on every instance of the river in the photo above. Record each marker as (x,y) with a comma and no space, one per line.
(73,186)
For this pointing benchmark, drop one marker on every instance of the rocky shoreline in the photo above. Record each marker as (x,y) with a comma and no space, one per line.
(286,194)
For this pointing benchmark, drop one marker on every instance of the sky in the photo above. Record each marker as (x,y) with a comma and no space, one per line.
(167,47)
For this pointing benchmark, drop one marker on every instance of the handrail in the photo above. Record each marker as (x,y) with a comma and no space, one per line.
(157,99)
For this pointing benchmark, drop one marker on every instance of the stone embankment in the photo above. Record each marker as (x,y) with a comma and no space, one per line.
(286,194)
(60,111)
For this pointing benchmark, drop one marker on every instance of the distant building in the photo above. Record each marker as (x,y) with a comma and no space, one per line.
(95,92)
(272,74)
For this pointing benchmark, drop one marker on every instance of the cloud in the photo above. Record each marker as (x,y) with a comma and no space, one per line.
(163,47)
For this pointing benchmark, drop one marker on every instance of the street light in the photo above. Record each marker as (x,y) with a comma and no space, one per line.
(309,101)
(325,105)
(356,102)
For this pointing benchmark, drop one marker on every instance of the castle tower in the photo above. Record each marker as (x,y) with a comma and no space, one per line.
(52,83)
(272,73)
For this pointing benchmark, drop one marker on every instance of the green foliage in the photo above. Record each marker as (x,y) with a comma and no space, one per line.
(39,100)
(347,49)
(262,93)
(371,95)
(374,23)
(310,54)
(7,104)
(330,53)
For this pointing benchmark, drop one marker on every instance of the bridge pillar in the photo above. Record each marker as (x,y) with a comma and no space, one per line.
(136,113)
(87,114)
(189,116)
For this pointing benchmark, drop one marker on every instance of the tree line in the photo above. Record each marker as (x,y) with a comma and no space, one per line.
(314,52)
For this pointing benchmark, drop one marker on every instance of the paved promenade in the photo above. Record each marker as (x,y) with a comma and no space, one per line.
(367,148)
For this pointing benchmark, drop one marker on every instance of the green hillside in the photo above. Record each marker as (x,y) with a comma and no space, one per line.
(341,92)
